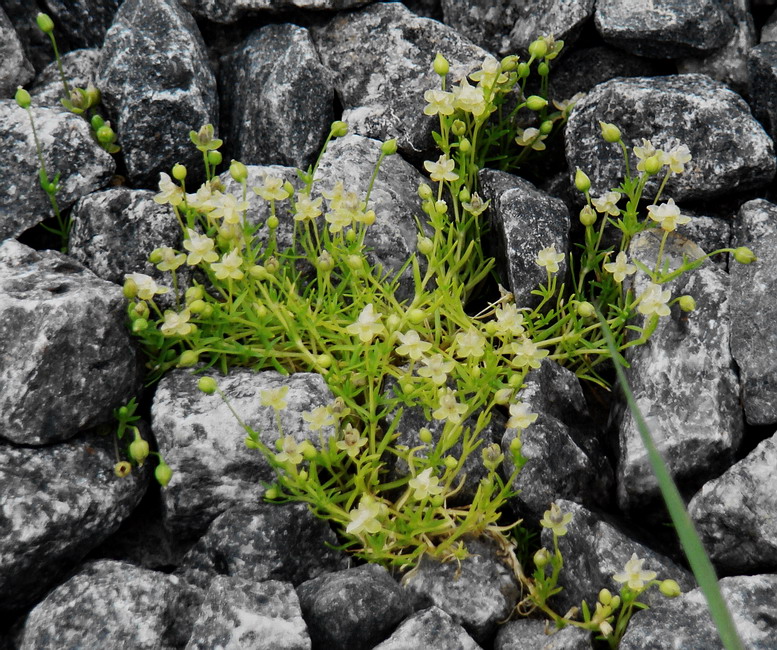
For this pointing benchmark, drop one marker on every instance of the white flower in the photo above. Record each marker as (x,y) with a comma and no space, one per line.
(176,324)
(274,397)
(470,343)
(170,192)
(620,268)
(365,517)
(520,417)
(412,345)
(436,368)
(653,300)
(549,258)
(146,285)
(556,520)
(531,137)
(367,325)
(425,485)
(678,157)
(229,267)
(528,354)
(200,248)
(633,575)
(442,170)
(318,418)
(668,215)
(607,204)
(228,207)
(307,209)
(449,408)
(272,189)
(469,99)
(439,102)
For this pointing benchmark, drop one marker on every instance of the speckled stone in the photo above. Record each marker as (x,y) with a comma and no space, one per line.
(15,69)
(762,84)
(532,634)
(230,11)
(79,68)
(431,629)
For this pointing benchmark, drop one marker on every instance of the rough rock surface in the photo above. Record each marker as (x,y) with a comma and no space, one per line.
(154,113)
(15,69)
(762,84)
(230,11)
(68,359)
(525,633)
(431,629)
(79,68)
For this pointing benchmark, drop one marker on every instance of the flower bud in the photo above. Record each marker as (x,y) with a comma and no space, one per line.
(289,188)
(610,132)
(130,288)
(307,450)
(543,69)
(509,63)
(582,182)
(653,164)
(215,157)
(140,309)
(441,207)
(355,262)
(605,597)
(441,66)
(425,245)
(546,127)
(687,303)
(207,385)
(425,192)
(458,127)
(271,493)
(670,588)
(105,134)
(272,264)
(503,396)
(92,95)
(451,462)
(45,24)
(515,445)
(272,222)
(97,121)
(238,171)
(425,435)
(416,316)
(392,322)
(138,449)
(23,97)
(389,147)
(179,172)
(541,558)
(122,469)
(188,359)
(324,360)
(538,48)
(163,473)
(139,325)
(536,103)
(437,500)
(465,146)
(523,70)
(338,129)
(744,255)
(464,195)
(515,381)
(325,263)
(585,309)
(587,216)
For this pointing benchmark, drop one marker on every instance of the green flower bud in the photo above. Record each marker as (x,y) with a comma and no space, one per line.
(289,188)
(207,385)
(324,360)
(272,264)
(105,134)
(271,493)
(458,128)
(515,445)
(188,359)
(141,309)
(441,66)
(122,469)
(605,597)
(536,103)
(425,435)
(515,381)
(653,164)
(272,222)
(610,132)
(464,195)
(215,157)
(744,255)
(179,172)
(425,245)
(338,129)
(325,263)
(585,310)
(138,449)
(355,262)
(546,127)
(425,192)
(45,24)
(441,207)
(140,325)
(465,146)
(389,147)
(392,322)
(523,70)
(97,121)
(307,449)
(194,293)
(670,588)
(538,48)
(250,443)
(509,63)
(22,97)
(130,288)
(451,462)
(687,303)
(416,316)
(541,558)
(587,216)
(437,500)
(163,473)
(350,236)
(582,182)
(543,69)
(93,95)
(238,171)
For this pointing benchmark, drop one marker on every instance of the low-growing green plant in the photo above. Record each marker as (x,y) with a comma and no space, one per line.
(321,306)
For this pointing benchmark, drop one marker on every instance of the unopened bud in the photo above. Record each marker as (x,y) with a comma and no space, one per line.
(536,103)
(425,192)
(546,127)
(523,70)
(687,303)
(605,597)
(272,222)
(670,588)
(543,69)
(416,316)
(188,359)
(458,127)
(179,172)
(465,146)
(653,164)
(23,97)
(138,449)
(610,132)
(215,157)
(425,245)
(451,462)
(389,147)
(97,121)
(441,66)
(45,24)
(538,48)
(585,309)
(541,558)
(582,182)
(744,255)
(425,435)
(339,129)
(238,171)
(207,385)
(163,473)
(105,134)
(587,216)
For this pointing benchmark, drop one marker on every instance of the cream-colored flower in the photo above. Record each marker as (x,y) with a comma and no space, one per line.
(549,258)
(608,203)
(633,574)
(440,102)
(475,206)
(367,325)
(469,99)
(470,343)
(620,268)
(520,416)
(307,209)
(442,170)
(678,157)
(176,324)
(200,248)
(527,353)
(509,320)
(229,267)
(274,397)
(531,137)
(436,368)
(412,345)
(290,452)
(647,150)
(668,215)
(146,285)
(272,189)
(318,418)
(556,520)
(167,259)
(228,207)
(449,408)
(169,191)
(352,441)
(425,485)
(654,301)
(364,519)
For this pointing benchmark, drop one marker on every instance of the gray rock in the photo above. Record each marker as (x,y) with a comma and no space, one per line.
(105,605)
(531,634)
(15,70)
(68,150)
(264,542)
(769,30)
(664,28)
(59,502)
(115,230)
(381,58)
(240,614)
(685,622)
(37,47)
(762,84)
(394,199)
(478,592)
(431,629)
(710,233)
(594,550)
(230,11)
(753,312)
(355,608)
(683,380)
(728,64)
(81,24)
(205,445)
(731,151)
(157,86)
(734,513)
(276,102)
(67,357)
(524,220)
(79,68)
(508,26)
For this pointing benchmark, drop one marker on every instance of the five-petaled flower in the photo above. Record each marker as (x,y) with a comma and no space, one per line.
(442,170)
(647,150)
(229,266)
(654,301)
(166,259)
(147,287)
(436,368)
(668,215)
(290,451)
(549,258)
(274,397)
(367,325)
(678,157)
(318,418)
(425,485)
(608,203)
(531,137)
(620,268)
(176,324)
(365,517)
(633,574)
(412,345)
(307,209)
(556,520)
(228,207)
(352,441)
(272,189)
(449,409)
(200,248)
(440,102)
(170,192)
(470,343)
(527,353)
(520,416)
(469,98)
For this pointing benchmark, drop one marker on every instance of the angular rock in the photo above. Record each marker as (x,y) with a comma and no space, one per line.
(58,503)
(664,28)
(68,150)
(753,312)
(230,11)
(276,102)
(105,605)
(241,614)
(205,445)
(115,230)
(83,23)
(683,380)
(15,69)
(477,593)
(68,359)
(156,86)
(734,513)
(710,233)
(685,622)
(769,30)
(731,151)
(264,542)
(531,634)
(524,220)
(431,629)
(594,549)
(394,235)
(762,84)
(79,68)
(355,608)
(509,26)
(36,44)
(381,58)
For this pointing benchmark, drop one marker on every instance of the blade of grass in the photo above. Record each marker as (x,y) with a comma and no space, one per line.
(694,550)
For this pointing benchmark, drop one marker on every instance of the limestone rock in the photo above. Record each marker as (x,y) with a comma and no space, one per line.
(15,69)
(431,629)
(762,84)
